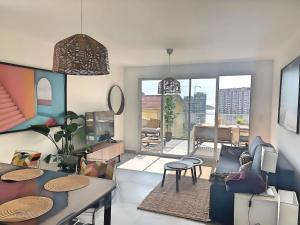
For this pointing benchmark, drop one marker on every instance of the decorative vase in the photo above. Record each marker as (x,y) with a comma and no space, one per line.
(168,136)
(67,163)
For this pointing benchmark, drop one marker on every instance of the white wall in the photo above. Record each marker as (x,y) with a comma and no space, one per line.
(286,141)
(261,94)
(84,93)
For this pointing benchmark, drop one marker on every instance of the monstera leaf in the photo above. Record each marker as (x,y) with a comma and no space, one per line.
(71,115)
(59,135)
(71,128)
(42,129)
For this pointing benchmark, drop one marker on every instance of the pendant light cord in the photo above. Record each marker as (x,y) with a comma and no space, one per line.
(169,64)
(81,16)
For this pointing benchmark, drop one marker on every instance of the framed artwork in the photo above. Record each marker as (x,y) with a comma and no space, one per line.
(30,96)
(288,113)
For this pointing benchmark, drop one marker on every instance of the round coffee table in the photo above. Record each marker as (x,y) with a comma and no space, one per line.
(196,162)
(178,166)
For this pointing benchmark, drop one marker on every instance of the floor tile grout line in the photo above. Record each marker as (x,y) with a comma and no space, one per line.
(151,164)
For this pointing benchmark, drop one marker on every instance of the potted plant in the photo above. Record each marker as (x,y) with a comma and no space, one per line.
(169,116)
(63,141)
(240,120)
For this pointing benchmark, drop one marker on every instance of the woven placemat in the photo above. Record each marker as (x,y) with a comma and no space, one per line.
(68,183)
(24,208)
(22,175)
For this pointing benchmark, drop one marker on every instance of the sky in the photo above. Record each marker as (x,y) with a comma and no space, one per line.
(208,86)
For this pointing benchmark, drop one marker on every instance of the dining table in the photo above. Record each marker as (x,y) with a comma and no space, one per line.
(66,205)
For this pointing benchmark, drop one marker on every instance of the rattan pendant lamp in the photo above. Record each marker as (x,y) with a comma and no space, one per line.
(80,55)
(169,85)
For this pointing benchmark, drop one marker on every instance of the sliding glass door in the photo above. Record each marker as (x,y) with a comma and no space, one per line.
(175,115)
(207,113)
(234,110)
(151,123)
(164,119)
(203,117)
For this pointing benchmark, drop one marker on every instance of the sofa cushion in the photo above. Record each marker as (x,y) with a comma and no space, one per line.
(227,165)
(230,151)
(254,144)
(256,164)
(245,182)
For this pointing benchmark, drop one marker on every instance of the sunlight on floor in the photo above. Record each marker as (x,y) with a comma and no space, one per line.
(154,164)
(139,162)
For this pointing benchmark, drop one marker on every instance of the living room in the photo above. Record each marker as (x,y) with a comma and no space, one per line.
(210,41)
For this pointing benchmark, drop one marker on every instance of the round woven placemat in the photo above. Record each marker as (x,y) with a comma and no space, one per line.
(22,175)
(68,183)
(25,208)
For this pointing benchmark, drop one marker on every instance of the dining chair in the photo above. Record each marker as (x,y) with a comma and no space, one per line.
(100,169)
(26,159)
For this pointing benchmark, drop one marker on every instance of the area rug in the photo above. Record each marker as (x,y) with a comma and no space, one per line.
(191,202)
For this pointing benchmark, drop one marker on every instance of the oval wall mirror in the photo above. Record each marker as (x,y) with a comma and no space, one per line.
(44,92)
(116,100)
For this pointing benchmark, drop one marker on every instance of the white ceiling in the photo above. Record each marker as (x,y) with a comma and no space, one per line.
(136,32)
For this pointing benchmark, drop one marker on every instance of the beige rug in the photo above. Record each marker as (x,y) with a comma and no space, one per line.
(191,202)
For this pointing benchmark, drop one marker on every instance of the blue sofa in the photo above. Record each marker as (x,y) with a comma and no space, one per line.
(221,200)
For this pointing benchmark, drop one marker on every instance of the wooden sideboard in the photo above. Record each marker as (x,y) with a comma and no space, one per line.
(106,151)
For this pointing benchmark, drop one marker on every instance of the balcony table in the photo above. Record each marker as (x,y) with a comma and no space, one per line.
(67,205)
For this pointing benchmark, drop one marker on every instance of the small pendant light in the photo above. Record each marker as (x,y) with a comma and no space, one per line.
(169,85)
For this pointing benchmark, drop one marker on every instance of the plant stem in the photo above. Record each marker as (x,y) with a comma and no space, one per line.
(51,139)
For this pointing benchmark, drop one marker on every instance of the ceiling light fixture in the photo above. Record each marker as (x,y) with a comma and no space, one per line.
(169,85)
(80,55)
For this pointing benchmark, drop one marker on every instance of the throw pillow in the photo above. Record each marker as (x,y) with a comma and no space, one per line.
(254,144)
(245,182)
(109,173)
(245,157)
(246,166)
(92,168)
(97,168)
(27,159)
(233,176)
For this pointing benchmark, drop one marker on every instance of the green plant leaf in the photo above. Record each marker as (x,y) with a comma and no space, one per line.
(47,158)
(42,129)
(70,128)
(59,135)
(71,115)
(169,112)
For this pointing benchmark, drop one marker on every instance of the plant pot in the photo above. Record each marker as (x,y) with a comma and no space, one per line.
(168,136)
(67,163)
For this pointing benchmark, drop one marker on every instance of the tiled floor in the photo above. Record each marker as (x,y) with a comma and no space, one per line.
(180,147)
(133,187)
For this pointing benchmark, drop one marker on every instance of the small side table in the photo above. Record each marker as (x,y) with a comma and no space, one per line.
(289,205)
(178,167)
(263,210)
(196,162)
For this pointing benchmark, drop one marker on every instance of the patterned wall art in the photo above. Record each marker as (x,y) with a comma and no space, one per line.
(30,96)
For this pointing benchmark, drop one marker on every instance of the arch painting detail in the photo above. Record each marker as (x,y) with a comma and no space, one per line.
(44,92)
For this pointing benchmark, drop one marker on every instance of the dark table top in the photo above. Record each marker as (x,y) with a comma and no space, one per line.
(195,160)
(178,165)
(66,204)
